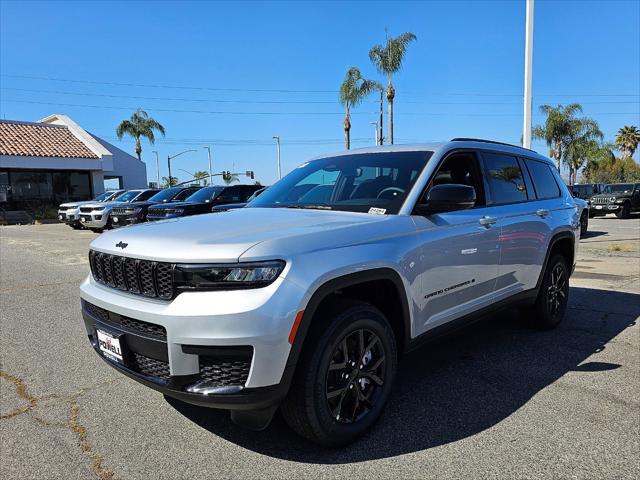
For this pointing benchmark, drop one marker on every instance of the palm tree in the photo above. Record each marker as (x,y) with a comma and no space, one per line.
(582,142)
(388,60)
(166,182)
(352,91)
(557,128)
(627,140)
(201,175)
(139,125)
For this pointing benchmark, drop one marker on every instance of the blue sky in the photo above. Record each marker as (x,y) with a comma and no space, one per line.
(277,66)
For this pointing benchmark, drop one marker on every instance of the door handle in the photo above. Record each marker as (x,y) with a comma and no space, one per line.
(487,221)
(542,212)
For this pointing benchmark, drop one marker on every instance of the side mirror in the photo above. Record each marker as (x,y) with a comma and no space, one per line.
(447,198)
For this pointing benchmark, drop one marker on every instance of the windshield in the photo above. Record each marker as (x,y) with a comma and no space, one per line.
(166,194)
(103,196)
(127,196)
(622,187)
(205,194)
(356,183)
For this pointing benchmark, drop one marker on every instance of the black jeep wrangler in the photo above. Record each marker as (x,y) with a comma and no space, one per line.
(618,198)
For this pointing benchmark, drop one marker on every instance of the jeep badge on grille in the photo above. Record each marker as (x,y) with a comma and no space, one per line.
(121,245)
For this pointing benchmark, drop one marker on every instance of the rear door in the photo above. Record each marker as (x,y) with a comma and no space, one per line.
(524,219)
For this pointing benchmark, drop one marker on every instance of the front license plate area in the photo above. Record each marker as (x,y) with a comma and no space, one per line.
(110,345)
(598,207)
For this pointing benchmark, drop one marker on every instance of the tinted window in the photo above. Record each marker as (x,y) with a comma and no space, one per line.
(505,179)
(184,194)
(164,195)
(205,194)
(543,179)
(146,195)
(127,196)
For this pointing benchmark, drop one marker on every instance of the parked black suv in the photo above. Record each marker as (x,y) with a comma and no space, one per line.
(201,201)
(222,207)
(137,211)
(618,198)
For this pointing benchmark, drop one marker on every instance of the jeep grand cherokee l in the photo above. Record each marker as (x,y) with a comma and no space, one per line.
(137,212)
(97,216)
(69,213)
(201,201)
(307,307)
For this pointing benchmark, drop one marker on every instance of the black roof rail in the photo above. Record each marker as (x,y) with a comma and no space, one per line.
(482,140)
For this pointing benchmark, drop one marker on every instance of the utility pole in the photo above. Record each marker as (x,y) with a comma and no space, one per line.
(277,139)
(157,169)
(375,132)
(208,147)
(528,65)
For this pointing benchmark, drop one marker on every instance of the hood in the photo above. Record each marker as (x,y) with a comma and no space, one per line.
(227,236)
(77,204)
(174,204)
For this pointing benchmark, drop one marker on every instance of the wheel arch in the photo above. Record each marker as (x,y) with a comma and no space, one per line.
(563,243)
(347,285)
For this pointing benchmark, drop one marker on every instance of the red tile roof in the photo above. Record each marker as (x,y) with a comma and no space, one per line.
(40,140)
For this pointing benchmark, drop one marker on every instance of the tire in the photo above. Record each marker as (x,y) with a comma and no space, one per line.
(97,230)
(76,227)
(625,211)
(324,406)
(584,223)
(551,304)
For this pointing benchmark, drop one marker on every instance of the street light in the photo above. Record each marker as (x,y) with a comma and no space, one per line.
(208,147)
(169,157)
(277,139)
(375,132)
(157,168)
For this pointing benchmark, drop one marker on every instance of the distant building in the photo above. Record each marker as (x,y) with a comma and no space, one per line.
(55,160)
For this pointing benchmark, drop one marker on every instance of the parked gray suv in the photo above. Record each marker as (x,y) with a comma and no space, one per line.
(307,306)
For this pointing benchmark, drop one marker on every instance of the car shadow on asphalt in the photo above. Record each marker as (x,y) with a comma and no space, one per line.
(593,234)
(460,385)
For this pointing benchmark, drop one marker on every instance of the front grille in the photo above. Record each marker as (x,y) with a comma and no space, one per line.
(124,211)
(86,209)
(141,277)
(224,372)
(149,367)
(63,209)
(146,329)
(602,200)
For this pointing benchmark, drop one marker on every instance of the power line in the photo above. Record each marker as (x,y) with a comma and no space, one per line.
(275,102)
(266,90)
(260,113)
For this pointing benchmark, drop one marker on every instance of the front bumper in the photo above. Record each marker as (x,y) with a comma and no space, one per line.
(124,220)
(95,219)
(70,217)
(196,323)
(604,209)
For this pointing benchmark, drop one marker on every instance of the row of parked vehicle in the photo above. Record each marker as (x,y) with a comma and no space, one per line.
(116,208)
(619,198)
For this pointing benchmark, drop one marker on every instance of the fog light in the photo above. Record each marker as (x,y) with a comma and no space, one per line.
(206,387)
(98,217)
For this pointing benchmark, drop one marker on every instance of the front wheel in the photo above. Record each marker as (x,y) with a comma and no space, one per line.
(584,223)
(553,297)
(345,376)
(625,211)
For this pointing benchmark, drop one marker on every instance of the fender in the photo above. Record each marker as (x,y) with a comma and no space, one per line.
(341,282)
(557,237)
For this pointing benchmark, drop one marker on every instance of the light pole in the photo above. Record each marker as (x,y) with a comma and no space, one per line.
(528,65)
(277,139)
(375,132)
(157,169)
(208,147)
(169,157)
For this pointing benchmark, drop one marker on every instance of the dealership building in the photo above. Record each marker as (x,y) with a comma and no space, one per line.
(55,160)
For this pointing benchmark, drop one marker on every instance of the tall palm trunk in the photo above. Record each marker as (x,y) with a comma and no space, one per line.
(138,148)
(347,129)
(380,129)
(391,93)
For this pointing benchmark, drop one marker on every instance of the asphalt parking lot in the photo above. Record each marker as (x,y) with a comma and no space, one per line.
(495,400)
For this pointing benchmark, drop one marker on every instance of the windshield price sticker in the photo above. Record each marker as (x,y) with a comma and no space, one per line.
(378,211)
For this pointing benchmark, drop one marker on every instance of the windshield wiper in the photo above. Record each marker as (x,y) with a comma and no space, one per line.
(310,207)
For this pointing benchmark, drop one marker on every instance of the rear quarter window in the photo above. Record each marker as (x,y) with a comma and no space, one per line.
(544,180)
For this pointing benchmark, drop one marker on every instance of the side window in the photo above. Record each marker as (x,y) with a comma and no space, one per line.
(146,195)
(505,178)
(461,168)
(543,179)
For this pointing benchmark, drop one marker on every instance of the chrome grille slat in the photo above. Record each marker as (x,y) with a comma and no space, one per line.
(140,277)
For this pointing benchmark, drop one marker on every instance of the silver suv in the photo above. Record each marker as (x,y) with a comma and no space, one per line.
(306,305)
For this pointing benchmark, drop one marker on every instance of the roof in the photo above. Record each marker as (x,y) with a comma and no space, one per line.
(41,140)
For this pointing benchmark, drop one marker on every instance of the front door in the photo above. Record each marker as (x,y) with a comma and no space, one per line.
(460,255)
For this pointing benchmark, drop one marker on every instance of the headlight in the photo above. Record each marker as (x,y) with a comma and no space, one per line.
(619,201)
(227,276)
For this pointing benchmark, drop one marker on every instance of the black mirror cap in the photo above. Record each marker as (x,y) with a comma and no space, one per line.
(448,198)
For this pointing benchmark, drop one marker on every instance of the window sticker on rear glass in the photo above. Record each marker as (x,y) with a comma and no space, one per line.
(377,211)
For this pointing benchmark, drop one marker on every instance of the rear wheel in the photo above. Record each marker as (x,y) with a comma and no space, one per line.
(551,304)
(584,223)
(345,377)
(625,211)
